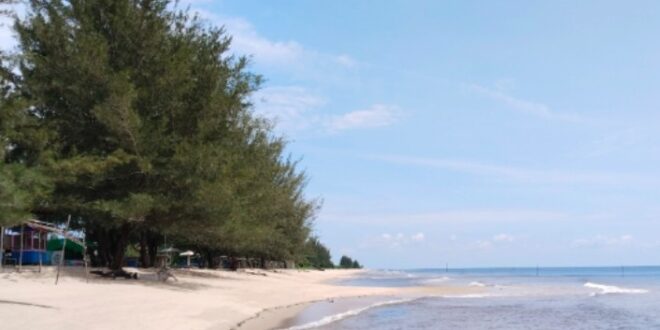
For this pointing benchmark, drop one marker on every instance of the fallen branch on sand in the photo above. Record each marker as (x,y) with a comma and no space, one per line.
(116,273)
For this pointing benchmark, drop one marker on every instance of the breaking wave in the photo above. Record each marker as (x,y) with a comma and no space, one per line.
(610,289)
(434,280)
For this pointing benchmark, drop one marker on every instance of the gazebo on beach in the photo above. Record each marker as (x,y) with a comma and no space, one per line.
(24,245)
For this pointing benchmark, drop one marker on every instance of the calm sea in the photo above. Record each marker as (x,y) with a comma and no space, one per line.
(514,298)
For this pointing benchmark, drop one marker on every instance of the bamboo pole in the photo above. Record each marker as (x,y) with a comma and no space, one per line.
(59,266)
(20,255)
(2,248)
(39,249)
(85,258)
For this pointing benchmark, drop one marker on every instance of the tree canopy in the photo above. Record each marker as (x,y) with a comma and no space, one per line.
(347,262)
(317,255)
(135,118)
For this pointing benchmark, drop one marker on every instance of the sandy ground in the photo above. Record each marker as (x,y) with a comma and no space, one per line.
(200,299)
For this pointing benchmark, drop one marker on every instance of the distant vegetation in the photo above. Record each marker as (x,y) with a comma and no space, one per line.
(346,262)
(317,255)
(137,120)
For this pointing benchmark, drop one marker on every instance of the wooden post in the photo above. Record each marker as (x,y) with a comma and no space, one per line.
(85,258)
(59,266)
(20,255)
(39,248)
(2,248)
(537,270)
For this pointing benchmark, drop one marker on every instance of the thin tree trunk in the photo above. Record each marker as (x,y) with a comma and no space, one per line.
(144,253)
(20,255)
(152,246)
(59,266)
(2,247)
(40,250)
(120,247)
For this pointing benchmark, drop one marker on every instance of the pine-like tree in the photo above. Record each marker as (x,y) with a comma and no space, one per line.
(140,118)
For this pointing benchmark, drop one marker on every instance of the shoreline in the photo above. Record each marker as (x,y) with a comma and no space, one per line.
(200,299)
(326,310)
(307,314)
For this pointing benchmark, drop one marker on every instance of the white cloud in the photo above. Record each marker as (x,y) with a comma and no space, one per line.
(519,173)
(496,240)
(603,241)
(483,245)
(378,115)
(246,40)
(7,40)
(394,240)
(419,237)
(459,216)
(523,106)
(345,60)
(7,36)
(291,107)
(503,238)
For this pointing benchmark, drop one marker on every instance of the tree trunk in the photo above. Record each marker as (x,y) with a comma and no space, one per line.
(152,247)
(119,248)
(104,240)
(210,259)
(144,252)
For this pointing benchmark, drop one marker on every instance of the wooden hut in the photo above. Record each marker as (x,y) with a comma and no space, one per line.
(25,244)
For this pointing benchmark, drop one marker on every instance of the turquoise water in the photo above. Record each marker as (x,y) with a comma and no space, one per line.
(517,298)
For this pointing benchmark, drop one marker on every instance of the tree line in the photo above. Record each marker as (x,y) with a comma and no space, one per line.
(347,262)
(135,118)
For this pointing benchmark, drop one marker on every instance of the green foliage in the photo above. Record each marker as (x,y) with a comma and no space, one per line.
(20,189)
(317,255)
(346,262)
(23,187)
(140,121)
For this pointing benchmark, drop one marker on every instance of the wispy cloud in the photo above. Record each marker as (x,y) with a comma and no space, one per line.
(504,238)
(493,242)
(419,237)
(520,174)
(246,40)
(378,115)
(523,106)
(291,107)
(295,108)
(603,241)
(456,216)
(394,240)
(7,36)
(7,39)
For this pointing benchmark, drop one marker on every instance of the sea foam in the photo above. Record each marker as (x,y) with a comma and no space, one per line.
(609,289)
(434,280)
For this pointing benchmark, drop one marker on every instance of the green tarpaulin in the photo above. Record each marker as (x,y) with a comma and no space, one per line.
(72,250)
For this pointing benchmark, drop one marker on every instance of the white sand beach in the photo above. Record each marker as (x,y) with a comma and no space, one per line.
(200,299)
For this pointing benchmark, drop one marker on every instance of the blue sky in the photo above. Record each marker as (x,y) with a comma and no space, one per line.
(474,133)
